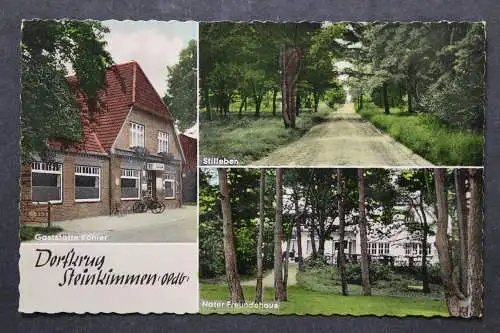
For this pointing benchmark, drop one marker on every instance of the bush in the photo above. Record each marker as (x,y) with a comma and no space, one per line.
(378,272)
(26,233)
(427,136)
(316,262)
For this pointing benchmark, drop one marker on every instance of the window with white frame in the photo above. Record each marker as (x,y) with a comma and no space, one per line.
(352,246)
(46,182)
(136,135)
(383,248)
(87,183)
(372,248)
(162,142)
(415,249)
(170,180)
(130,184)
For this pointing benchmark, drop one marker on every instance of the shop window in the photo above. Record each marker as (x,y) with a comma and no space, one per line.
(87,183)
(130,184)
(46,182)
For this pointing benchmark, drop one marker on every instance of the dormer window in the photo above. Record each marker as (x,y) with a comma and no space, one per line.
(162,142)
(136,135)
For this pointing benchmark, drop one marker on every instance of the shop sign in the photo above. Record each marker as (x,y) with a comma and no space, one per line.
(155,166)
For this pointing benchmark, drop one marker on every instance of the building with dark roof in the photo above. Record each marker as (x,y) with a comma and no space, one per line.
(129,150)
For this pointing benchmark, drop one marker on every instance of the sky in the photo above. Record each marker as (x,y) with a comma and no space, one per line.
(153,44)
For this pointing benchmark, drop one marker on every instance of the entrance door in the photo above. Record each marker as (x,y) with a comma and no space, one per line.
(151,183)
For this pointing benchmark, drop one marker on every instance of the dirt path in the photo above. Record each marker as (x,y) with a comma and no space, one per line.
(268,280)
(346,139)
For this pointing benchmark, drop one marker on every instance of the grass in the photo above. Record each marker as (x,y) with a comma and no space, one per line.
(303,301)
(428,137)
(326,279)
(28,232)
(250,138)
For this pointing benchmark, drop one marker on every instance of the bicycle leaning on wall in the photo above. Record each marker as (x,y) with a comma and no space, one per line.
(156,206)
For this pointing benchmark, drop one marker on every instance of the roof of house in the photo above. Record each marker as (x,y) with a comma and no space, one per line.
(190,149)
(126,85)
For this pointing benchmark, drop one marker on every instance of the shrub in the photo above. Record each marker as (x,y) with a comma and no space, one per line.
(316,262)
(427,136)
(378,272)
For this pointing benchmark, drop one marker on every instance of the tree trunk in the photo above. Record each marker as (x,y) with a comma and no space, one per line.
(207,103)
(242,104)
(316,101)
(425,233)
(321,240)
(386,100)
(298,230)
(285,267)
(233,279)
(460,191)
(297,105)
(457,303)
(341,255)
(313,241)
(365,273)
(290,61)
(258,288)
(258,102)
(361,101)
(275,93)
(278,233)
(475,226)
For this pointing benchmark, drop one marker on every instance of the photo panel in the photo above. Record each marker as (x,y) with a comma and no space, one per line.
(371,94)
(342,241)
(108,183)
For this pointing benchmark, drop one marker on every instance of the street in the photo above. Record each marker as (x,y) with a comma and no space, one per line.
(173,225)
(346,139)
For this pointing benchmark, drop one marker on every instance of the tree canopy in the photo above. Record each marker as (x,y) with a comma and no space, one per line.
(48,106)
(181,95)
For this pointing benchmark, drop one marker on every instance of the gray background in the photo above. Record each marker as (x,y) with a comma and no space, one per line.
(361,10)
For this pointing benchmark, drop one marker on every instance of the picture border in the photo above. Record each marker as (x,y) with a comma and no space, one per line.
(275,10)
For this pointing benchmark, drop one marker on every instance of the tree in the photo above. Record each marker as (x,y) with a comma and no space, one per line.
(475,226)
(258,287)
(233,279)
(365,274)
(419,196)
(463,299)
(182,80)
(48,106)
(279,294)
(341,255)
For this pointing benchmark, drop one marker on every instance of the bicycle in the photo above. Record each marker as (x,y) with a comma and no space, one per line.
(156,206)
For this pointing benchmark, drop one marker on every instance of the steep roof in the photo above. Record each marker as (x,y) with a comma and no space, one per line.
(190,149)
(126,85)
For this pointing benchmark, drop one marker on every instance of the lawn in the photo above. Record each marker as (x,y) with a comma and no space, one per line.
(302,301)
(249,138)
(428,137)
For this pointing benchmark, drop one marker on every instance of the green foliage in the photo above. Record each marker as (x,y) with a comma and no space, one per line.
(231,139)
(303,301)
(439,67)
(335,97)
(428,137)
(242,59)
(48,107)
(28,232)
(181,94)
(377,272)
(243,189)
